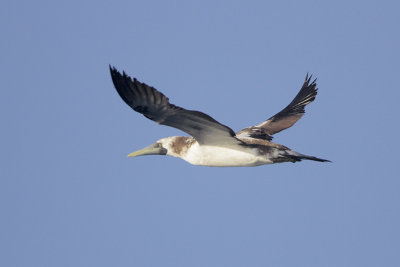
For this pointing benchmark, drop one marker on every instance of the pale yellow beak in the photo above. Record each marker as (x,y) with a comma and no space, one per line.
(154,149)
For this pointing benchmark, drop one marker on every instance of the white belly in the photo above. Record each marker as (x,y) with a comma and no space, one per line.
(223,157)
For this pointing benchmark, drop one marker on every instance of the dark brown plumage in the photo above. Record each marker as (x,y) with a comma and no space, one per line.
(286,117)
(155,106)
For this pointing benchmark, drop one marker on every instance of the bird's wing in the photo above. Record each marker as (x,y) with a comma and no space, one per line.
(155,106)
(286,117)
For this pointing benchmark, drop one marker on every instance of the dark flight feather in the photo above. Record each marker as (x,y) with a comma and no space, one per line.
(286,117)
(154,105)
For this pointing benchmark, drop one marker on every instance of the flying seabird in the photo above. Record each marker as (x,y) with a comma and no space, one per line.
(212,143)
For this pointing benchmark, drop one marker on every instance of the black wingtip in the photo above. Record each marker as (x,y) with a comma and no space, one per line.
(114,72)
(315,81)
(308,80)
(116,75)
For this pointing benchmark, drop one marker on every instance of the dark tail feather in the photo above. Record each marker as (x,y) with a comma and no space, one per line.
(295,156)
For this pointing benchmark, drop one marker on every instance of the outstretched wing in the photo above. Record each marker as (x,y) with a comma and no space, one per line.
(286,117)
(155,106)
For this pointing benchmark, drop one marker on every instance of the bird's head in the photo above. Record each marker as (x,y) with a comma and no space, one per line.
(154,149)
(176,146)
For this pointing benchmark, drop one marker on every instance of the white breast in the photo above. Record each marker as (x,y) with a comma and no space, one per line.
(223,157)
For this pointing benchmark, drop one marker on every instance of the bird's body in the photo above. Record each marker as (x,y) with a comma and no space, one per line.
(246,154)
(188,149)
(212,143)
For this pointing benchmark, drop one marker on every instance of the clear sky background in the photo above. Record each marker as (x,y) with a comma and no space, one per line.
(69,196)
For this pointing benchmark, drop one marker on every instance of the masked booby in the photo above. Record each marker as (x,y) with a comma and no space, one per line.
(212,143)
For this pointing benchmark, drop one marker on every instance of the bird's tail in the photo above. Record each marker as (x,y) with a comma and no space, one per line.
(294,156)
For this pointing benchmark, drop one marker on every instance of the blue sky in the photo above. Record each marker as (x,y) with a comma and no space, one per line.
(70,197)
